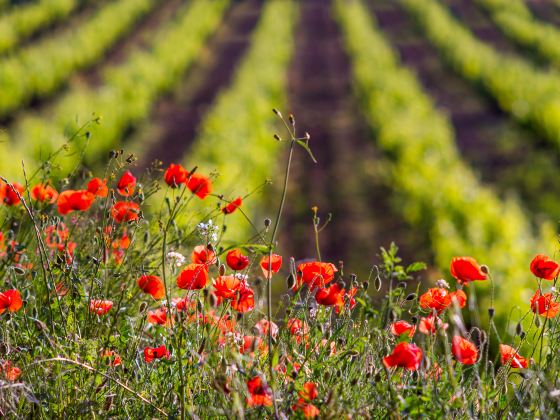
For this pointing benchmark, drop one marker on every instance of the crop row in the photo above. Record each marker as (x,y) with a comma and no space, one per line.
(460,214)
(124,98)
(21,22)
(530,94)
(236,136)
(516,21)
(41,68)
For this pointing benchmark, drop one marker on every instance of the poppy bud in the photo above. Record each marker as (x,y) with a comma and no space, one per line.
(213,300)
(210,247)
(199,306)
(411,296)
(143,306)
(484,268)
(365,285)
(222,269)
(414,320)
(401,285)
(277,137)
(392,315)
(267,222)
(519,329)
(276,112)
(239,316)
(491,312)
(377,283)
(522,335)
(292,119)
(537,322)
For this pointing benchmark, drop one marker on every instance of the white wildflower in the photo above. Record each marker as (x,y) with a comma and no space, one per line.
(176,258)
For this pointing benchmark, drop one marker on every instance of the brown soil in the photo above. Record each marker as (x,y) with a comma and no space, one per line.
(545,10)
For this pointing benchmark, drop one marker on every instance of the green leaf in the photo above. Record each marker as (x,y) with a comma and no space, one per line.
(306,147)
(416,266)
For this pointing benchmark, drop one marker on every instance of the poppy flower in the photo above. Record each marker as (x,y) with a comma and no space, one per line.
(307,394)
(71,200)
(126,184)
(98,187)
(100,307)
(298,329)
(184,304)
(314,274)
(459,297)
(236,260)
(544,304)
(405,355)
(11,372)
(151,353)
(193,277)
(11,193)
(436,298)
(159,317)
(125,211)
(510,356)
(227,287)
(175,175)
(199,185)
(259,393)
(252,344)
(331,296)
(44,193)
(231,207)
(203,255)
(544,267)
(10,300)
(152,285)
(270,264)
(309,391)
(464,350)
(56,235)
(308,410)
(429,325)
(114,358)
(466,269)
(245,300)
(402,327)
(263,326)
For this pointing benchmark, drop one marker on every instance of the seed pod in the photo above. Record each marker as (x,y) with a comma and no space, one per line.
(222,269)
(411,296)
(365,285)
(290,281)
(377,283)
(143,306)
(484,268)
(537,322)
(213,300)
(519,329)
(491,312)
(267,222)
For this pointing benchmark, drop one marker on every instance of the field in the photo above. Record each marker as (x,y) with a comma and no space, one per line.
(279,208)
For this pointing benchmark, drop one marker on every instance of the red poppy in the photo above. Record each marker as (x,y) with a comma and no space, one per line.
(510,356)
(126,184)
(227,287)
(544,304)
(464,350)
(331,296)
(125,211)
(184,304)
(98,187)
(152,285)
(544,267)
(259,393)
(405,355)
(71,200)
(459,297)
(252,344)
(159,317)
(402,327)
(193,277)
(151,353)
(236,260)
(56,235)
(44,193)
(314,274)
(100,307)
(245,300)
(466,269)
(263,326)
(231,207)
(203,255)
(10,300)
(429,324)
(309,391)
(270,265)
(307,394)
(11,193)
(308,410)
(114,358)
(11,372)
(175,175)
(199,185)
(298,329)
(436,298)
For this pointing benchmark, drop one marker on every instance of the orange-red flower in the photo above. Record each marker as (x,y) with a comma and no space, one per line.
(544,267)
(259,393)
(270,265)
(429,324)
(71,200)
(175,175)
(306,395)
(402,327)
(510,356)
(236,260)
(331,296)
(245,299)
(252,344)
(544,304)
(298,329)
(56,235)
(203,255)
(152,285)
(44,193)
(466,269)
(263,326)
(159,317)
(100,307)
(151,353)
(98,187)
(10,193)
(193,277)
(435,298)
(125,211)
(314,274)
(114,358)
(464,350)
(199,185)
(309,391)
(227,287)
(231,207)
(10,300)
(11,372)
(126,184)
(405,355)
(459,297)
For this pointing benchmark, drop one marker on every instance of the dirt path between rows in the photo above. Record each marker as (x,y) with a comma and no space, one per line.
(345,181)
(545,10)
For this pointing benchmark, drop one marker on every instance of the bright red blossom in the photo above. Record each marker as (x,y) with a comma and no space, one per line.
(402,327)
(152,285)
(544,304)
(44,193)
(236,260)
(227,287)
(259,393)
(270,264)
(126,184)
(314,274)
(125,211)
(202,255)
(464,350)
(193,277)
(151,353)
(466,269)
(70,200)
(10,300)
(10,193)
(405,355)
(245,299)
(231,207)
(11,372)
(100,307)
(114,358)
(331,296)
(199,185)
(98,187)
(510,356)
(429,325)
(175,175)
(263,326)
(544,267)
